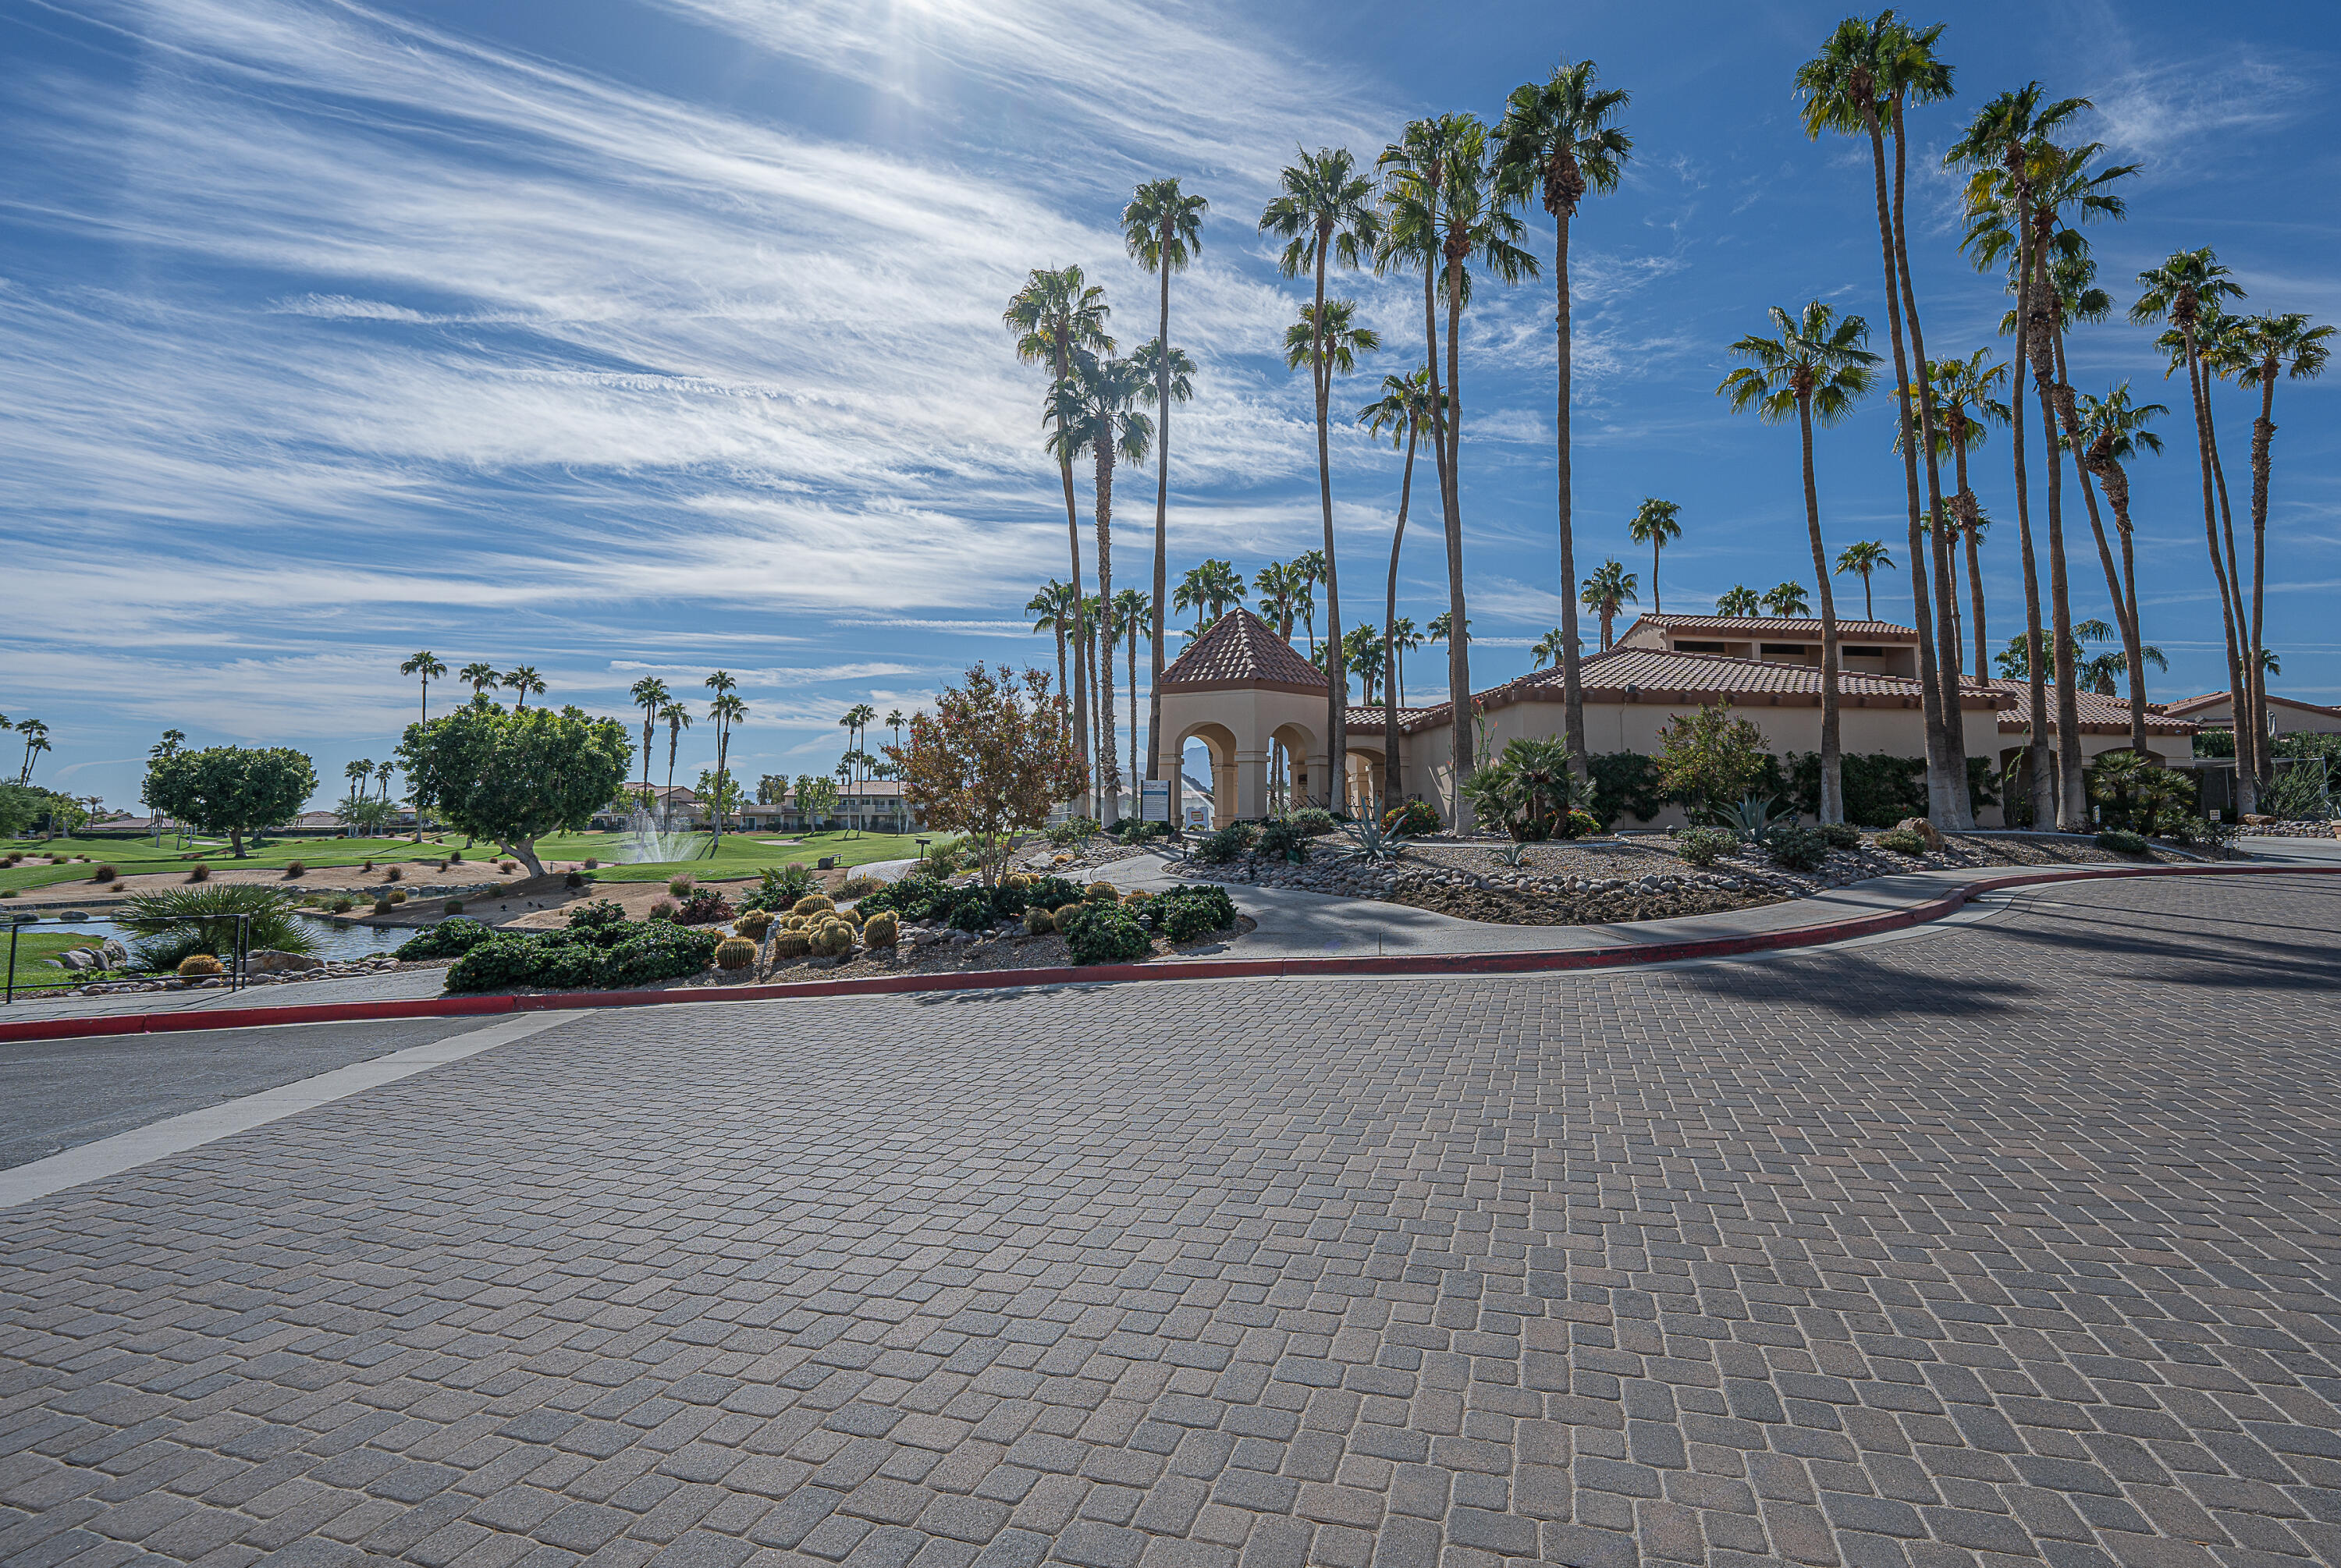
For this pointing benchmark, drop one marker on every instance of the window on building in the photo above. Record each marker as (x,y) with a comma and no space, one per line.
(1865,653)
(1799,649)
(1686,646)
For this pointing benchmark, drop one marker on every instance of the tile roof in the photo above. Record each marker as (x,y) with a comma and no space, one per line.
(2099,715)
(2187,705)
(1239,649)
(1759,626)
(1654,675)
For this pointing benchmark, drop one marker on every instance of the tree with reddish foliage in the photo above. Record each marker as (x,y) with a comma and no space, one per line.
(991,761)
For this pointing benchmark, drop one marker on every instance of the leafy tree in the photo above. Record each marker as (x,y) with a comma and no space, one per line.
(1710,758)
(512,778)
(232,789)
(723,793)
(817,798)
(991,761)
(21,806)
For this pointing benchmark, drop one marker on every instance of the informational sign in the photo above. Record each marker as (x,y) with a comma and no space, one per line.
(1154,800)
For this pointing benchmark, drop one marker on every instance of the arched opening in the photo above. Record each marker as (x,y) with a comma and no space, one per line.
(1289,747)
(1220,742)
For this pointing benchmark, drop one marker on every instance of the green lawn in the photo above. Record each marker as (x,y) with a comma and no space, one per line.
(32,973)
(739,855)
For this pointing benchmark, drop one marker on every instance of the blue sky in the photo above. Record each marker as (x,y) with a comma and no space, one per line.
(649,336)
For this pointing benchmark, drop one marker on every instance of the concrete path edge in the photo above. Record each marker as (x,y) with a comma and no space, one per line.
(1619,955)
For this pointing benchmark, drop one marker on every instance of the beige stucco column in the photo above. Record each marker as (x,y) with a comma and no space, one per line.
(1252,783)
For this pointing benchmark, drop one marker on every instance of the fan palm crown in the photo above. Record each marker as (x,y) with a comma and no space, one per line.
(1656,523)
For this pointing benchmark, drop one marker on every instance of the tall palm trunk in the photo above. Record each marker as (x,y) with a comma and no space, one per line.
(2072,803)
(2238,679)
(1939,544)
(1459,640)
(1161,545)
(1081,608)
(1966,503)
(1572,685)
(1391,654)
(1108,769)
(1336,685)
(1133,697)
(1832,764)
(650,723)
(1939,802)
(673,745)
(1064,699)
(2124,600)
(2116,481)
(2263,441)
(2258,730)
(2035,749)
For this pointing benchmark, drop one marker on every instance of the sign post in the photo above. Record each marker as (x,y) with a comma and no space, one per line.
(1154,801)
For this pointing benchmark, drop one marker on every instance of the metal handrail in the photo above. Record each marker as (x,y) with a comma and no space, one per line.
(238,965)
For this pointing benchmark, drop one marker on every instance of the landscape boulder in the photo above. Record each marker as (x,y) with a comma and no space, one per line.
(1924,828)
(271,961)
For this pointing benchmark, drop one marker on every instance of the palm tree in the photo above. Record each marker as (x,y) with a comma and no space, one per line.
(357,773)
(428,666)
(37,741)
(381,777)
(1966,406)
(1279,587)
(524,681)
(1858,85)
(1738,601)
(1404,412)
(1325,213)
(1053,611)
(480,677)
(1788,601)
(1448,208)
(1654,523)
(1163,228)
(2113,432)
(1132,611)
(678,720)
(1054,317)
(2256,351)
(1311,565)
(1606,593)
(1548,648)
(895,721)
(2001,148)
(1861,558)
(1556,139)
(1406,637)
(1209,589)
(649,694)
(1442,627)
(1817,368)
(1169,378)
(723,685)
(2187,291)
(1365,656)
(1096,412)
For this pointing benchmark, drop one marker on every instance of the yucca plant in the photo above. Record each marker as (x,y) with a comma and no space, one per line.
(1371,842)
(176,922)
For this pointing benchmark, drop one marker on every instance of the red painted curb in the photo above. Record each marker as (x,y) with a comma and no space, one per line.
(1624,954)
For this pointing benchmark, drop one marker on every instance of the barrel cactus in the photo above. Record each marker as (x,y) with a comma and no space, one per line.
(735,953)
(882,930)
(833,939)
(810,904)
(1101,892)
(200,967)
(753,924)
(792,945)
(1040,922)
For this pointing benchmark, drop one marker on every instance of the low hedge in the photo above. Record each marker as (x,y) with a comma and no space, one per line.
(603,956)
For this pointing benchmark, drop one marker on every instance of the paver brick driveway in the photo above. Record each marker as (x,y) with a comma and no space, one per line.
(2012,1242)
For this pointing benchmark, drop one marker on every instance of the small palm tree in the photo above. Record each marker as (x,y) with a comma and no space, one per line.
(727,710)
(1442,626)
(1053,611)
(1606,592)
(1404,412)
(1209,590)
(1131,611)
(1096,412)
(426,665)
(526,682)
(895,721)
(1326,212)
(1311,565)
(1738,601)
(678,720)
(1860,559)
(1279,586)
(1656,523)
(1966,406)
(1547,649)
(1406,637)
(1787,600)
(479,677)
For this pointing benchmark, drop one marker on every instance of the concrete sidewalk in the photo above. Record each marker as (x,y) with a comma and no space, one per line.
(398,985)
(1295,924)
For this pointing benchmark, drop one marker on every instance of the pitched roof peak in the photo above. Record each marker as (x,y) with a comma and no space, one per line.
(1239,649)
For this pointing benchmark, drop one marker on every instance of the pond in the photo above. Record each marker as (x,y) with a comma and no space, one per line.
(332,938)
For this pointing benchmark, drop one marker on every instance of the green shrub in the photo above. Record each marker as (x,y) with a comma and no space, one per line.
(2121,841)
(2140,795)
(1625,784)
(1107,934)
(342,904)
(1189,911)
(1416,817)
(1840,835)
(705,907)
(1797,849)
(972,912)
(1579,824)
(661,951)
(2296,796)
(1070,833)
(858,887)
(1051,893)
(452,906)
(502,961)
(1704,846)
(1282,839)
(783,887)
(680,886)
(447,940)
(1227,844)
(1901,841)
(1316,821)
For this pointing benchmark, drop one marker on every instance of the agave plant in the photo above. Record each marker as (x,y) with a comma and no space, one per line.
(1371,842)
(1514,854)
(1755,818)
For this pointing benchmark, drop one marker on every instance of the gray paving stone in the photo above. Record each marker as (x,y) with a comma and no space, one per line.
(2012,1243)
